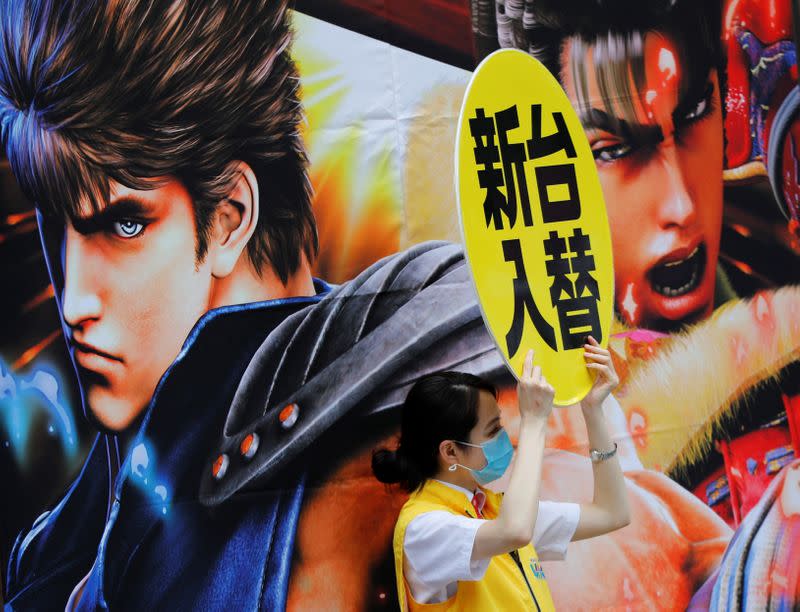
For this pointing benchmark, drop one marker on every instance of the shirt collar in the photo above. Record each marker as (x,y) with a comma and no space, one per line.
(481,499)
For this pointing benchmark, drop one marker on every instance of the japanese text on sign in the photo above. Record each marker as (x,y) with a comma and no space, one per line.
(574,292)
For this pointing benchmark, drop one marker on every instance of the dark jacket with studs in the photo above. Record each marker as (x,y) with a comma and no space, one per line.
(176,537)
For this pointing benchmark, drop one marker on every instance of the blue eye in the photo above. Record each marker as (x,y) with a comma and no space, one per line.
(127,228)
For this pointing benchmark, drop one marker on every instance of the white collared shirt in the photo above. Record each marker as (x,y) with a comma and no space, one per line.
(437,548)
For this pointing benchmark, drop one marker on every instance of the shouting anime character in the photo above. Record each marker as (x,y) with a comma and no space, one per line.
(648,83)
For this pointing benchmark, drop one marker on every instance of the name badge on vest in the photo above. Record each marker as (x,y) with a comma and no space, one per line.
(537,569)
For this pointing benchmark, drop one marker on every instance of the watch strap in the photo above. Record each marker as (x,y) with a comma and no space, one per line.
(598,455)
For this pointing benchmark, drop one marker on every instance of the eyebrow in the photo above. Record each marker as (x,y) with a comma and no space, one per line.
(643,133)
(635,133)
(121,209)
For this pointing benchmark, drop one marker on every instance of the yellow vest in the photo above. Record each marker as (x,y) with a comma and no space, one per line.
(503,587)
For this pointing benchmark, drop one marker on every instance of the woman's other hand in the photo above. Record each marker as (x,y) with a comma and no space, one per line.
(606,378)
(534,392)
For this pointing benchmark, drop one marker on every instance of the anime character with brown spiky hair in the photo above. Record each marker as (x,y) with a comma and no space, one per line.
(159,141)
(123,154)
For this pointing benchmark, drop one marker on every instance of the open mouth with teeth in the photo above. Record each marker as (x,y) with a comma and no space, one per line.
(676,278)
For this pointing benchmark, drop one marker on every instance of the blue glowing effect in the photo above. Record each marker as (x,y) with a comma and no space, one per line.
(143,472)
(140,462)
(26,398)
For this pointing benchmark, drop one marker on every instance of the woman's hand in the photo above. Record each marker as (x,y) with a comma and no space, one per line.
(535,394)
(606,379)
(609,509)
(513,527)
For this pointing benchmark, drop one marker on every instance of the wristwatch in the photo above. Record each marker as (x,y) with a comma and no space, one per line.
(598,456)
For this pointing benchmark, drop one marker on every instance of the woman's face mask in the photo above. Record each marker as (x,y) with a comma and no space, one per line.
(498,452)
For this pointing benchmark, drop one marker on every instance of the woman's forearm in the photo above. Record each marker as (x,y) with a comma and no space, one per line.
(513,527)
(610,493)
(521,499)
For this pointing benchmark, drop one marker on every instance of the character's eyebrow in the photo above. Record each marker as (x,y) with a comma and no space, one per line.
(492,424)
(641,133)
(633,133)
(124,208)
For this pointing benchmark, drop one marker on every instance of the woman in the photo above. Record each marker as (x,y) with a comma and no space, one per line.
(457,544)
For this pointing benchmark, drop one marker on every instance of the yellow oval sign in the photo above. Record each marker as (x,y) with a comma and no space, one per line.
(533,220)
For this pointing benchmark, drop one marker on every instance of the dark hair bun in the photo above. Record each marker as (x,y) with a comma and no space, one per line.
(390,466)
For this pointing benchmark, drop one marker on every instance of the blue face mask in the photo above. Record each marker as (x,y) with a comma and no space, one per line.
(498,452)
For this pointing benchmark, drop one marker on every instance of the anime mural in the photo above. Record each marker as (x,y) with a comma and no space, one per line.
(229,244)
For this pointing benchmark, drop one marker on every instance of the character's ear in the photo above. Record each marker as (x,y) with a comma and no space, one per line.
(447,453)
(235,221)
